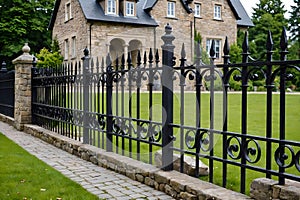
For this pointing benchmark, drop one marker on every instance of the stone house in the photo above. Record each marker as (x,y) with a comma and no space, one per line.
(121,26)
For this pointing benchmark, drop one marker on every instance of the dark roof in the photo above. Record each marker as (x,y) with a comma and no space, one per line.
(244,19)
(149,4)
(94,12)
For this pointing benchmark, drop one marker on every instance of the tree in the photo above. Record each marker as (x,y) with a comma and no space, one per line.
(268,15)
(294,29)
(24,21)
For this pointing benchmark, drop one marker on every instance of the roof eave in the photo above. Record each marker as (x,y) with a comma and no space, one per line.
(54,14)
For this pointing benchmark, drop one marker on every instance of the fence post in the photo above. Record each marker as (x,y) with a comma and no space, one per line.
(86,83)
(167,98)
(23,65)
(3,67)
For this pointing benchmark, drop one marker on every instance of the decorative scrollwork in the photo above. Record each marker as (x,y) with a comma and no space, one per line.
(205,141)
(155,133)
(190,139)
(281,157)
(233,148)
(118,124)
(297,161)
(252,151)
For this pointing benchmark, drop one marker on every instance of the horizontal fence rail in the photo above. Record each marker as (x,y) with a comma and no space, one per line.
(7,91)
(138,106)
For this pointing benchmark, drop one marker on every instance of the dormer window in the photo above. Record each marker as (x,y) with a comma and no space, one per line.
(111,7)
(217,12)
(129,8)
(171,9)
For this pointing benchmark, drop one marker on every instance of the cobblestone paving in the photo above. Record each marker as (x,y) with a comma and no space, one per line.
(104,183)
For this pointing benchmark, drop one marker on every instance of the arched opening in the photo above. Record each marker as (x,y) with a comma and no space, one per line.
(116,49)
(133,48)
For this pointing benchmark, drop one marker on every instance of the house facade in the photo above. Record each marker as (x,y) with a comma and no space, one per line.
(122,26)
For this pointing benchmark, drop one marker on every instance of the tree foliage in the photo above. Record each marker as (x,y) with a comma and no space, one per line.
(268,15)
(294,28)
(24,21)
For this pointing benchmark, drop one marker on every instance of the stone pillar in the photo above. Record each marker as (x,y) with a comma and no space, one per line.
(23,65)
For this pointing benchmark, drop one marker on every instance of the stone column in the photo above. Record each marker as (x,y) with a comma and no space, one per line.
(23,65)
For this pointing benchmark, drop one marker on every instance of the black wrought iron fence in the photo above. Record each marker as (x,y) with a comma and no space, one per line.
(138,110)
(7,91)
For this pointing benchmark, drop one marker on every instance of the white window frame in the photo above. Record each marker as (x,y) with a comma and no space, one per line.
(67,48)
(197,11)
(218,43)
(112,7)
(129,8)
(171,9)
(218,12)
(74,47)
(68,11)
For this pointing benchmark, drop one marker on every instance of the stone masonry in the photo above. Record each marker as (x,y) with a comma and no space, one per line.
(173,183)
(23,65)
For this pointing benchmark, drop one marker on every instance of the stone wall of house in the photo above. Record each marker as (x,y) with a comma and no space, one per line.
(182,25)
(104,33)
(76,27)
(210,28)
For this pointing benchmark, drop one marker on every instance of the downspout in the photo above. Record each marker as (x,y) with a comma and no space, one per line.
(91,24)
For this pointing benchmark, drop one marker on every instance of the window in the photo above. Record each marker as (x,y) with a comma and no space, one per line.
(66,49)
(217,47)
(171,9)
(129,8)
(111,7)
(197,10)
(217,12)
(68,11)
(73,47)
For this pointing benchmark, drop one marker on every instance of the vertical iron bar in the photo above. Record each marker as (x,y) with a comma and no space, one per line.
(109,118)
(226,57)
(86,59)
(198,103)
(245,55)
(150,88)
(182,85)
(212,110)
(269,86)
(138,99)
(117,100)
(283,53)
(123,98)
(167,98)
(129,65)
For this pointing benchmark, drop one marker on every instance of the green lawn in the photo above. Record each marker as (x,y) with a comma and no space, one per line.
(256,125)
(23,176)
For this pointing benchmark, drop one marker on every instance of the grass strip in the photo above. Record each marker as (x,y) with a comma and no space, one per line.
(23,176)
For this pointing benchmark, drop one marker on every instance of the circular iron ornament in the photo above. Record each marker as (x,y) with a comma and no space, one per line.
(155,133)
(231,148)
(252,151)
(190,139)
(205,141)
(144,130)
(101,121)
(280,157)
(297,161)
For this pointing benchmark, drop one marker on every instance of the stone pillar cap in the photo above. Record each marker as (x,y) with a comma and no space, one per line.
(25,57)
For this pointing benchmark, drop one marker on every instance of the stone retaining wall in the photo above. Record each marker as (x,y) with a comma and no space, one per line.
(173,183)
(264,188)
